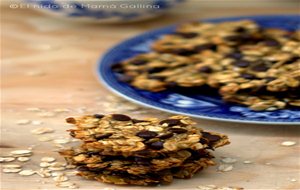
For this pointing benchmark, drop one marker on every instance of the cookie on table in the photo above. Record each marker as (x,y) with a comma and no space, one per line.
(118,134)
(185,171)
(132,165)
(121,150)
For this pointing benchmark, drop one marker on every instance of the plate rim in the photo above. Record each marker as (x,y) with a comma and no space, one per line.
(101,79)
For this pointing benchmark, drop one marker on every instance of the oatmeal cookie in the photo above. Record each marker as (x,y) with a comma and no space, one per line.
(185,171)
(118,134)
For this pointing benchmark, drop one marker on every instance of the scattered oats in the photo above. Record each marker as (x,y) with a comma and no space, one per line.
(35,73)
(288,143)
(75,140)
(213,187)
(21,152)
(36,122)
(46,114)
(61,110)
(61,141)
(23,159)
(247,162)
(23,122)
(55,174)
(230,188)
(44,164)
(67,184)
(61,178)
(42,130)
(6,159)
(70,166)
(12,166)
(11,170)
(33,109)
(74,186)
(44,173)
(225,168)
(293,180)
(268,163)
(58,164)
(45,138)
(71,173)
(48,159)
(228,160)
(207,187)
(27,172)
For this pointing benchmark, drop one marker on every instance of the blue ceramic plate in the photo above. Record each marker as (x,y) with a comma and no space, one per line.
(206,106)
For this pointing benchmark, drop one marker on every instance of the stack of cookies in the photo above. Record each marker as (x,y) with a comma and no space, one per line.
(245,63)
(120,150)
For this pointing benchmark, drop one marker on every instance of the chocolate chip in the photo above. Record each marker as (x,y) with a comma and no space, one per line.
(160,78)
(235,55)
(70,120)
(269,79)
(203,141)
(102,136)
(91,153)
(143,152)
(248,76)
(233,38)
(118,68)
(292,60)
(99,116)
(157,145)
(172,122)
(240,29)
(203,47)
(138,62)
(83,168)
(260,67)
(206,69)
(142,161)
(183,52)
(177,130)
(146,134)
(210,137)
(72,133)
(137,121)
(241,63)
(156,69)
(120,117)
(271,42)
(187,34)
(165,136)
(242,38)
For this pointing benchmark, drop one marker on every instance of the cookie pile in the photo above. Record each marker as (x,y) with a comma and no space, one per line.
(247,64)
(120,150)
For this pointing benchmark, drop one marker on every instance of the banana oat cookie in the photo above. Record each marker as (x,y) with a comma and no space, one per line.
(185,171)
(157,72)
(118,134)
(121,150)
(133,165)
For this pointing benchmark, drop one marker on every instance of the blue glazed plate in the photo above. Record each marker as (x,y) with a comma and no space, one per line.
(206,106)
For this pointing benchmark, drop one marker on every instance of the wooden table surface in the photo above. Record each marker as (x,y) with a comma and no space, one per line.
(49,64)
